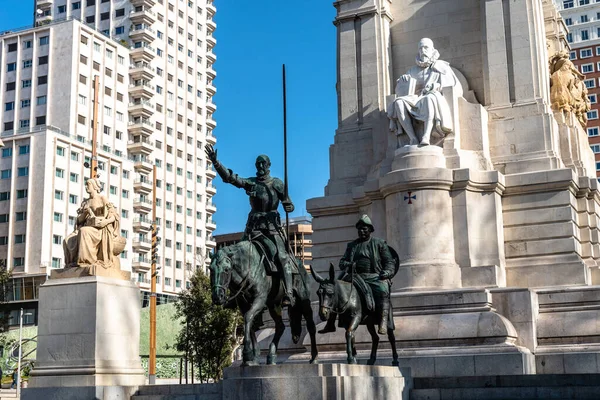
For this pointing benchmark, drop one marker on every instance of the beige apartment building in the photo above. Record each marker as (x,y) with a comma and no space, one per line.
(154,62)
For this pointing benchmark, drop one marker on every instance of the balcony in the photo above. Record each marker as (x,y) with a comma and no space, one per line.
(141,89)
(210,8)
(210,138)
(211,189)
(41,4)
(141,71)
(142,33)
(142,205)
(147,3)
(211,73)
(142,164)
(140,127)
(211,208)
(144,16)
(142,224)
(140,146)
(144,52)
(211,41)
(210,225)
(145,283)
(210,172)
(141,264)
(211,107)
(210,122)
(210,243)
(210,56)
(210,88)
(141,108)
(140,245)
(143,186)
(211,25)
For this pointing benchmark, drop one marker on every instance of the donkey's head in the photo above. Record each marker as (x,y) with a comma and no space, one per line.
(326,292)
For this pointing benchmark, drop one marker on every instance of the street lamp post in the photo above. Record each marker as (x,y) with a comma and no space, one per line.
(20,353)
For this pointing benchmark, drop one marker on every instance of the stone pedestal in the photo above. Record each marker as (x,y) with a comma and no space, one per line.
(418,157)
(88,334)
(311,382)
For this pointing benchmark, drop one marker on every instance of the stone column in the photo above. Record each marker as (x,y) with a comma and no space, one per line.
(495,69)
(363,82)
(419,207)
(523,133)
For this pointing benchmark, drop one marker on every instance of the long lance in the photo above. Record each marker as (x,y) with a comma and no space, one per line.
(285,169)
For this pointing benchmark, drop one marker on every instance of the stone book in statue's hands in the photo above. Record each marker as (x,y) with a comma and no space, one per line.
(405,88)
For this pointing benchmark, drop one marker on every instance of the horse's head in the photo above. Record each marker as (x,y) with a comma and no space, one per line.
(220,275)
(326,292)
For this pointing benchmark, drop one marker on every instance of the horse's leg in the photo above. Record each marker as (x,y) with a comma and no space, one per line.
(392,339)
(312,330)
(374,344)
(250,357)
(247,351)
(350,348)
(275,312)
(255,346)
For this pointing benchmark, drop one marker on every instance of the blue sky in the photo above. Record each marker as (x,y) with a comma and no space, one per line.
(253,40)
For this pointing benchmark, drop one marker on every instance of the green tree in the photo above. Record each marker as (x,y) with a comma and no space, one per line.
(209,332)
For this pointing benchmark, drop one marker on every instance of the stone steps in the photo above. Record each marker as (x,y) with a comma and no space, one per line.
(179,392)
(528,387)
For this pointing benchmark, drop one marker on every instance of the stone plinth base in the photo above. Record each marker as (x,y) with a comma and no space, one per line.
(90,270)
(311,382)
(80,392)
(525,387)
(418,157)
(88,334)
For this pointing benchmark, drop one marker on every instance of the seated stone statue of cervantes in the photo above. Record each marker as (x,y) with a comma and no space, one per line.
(419,97)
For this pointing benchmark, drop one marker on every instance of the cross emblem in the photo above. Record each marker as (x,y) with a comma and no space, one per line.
(410,197)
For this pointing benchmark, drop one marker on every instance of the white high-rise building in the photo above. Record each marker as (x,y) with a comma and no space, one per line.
(154,62)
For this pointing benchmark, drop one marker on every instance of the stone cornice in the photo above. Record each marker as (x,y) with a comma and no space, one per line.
(544,181)
(416,178)
(429,178)
(478,181)
(360,12)
(331,205)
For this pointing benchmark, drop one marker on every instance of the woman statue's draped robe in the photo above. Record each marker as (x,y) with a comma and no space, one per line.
(92,246)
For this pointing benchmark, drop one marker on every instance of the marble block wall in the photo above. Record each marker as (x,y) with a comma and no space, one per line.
(511,204)
(89,334)
(500,48)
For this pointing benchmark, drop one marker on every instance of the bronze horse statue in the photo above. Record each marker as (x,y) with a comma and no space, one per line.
(341,297)
(238,268)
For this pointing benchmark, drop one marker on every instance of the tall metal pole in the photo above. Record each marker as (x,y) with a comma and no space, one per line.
(94,160)
(152,360)
(285,169)
(20,355)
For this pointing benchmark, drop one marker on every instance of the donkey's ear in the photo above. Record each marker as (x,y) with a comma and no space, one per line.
(331,272)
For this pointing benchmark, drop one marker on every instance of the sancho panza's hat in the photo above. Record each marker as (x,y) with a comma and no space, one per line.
(365,220)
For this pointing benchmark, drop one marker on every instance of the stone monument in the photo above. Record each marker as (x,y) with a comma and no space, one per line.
(495,217)
(88,332)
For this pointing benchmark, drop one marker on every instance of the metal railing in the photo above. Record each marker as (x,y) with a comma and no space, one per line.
(143,28)
(142,140)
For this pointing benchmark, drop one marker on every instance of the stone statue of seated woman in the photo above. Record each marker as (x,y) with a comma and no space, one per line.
(96,243)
